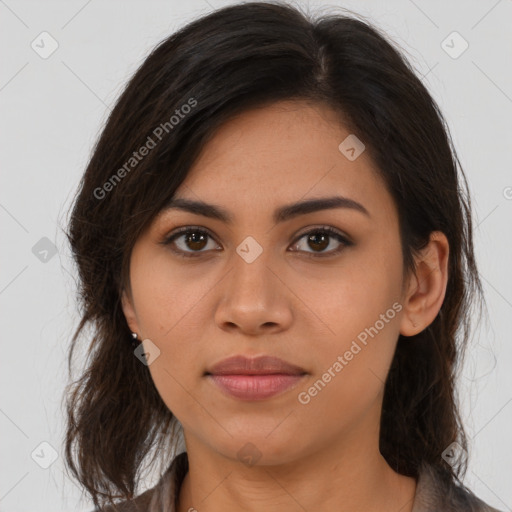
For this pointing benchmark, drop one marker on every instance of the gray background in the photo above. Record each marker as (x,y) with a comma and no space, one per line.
(52,111)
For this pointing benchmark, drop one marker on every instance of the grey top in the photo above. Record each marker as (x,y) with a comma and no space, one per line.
(433,494)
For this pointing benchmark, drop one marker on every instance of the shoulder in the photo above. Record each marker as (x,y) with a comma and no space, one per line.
(438,492)
(139,504)
(161,497)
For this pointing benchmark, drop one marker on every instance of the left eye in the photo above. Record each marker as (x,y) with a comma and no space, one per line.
(197,239)
(320,238)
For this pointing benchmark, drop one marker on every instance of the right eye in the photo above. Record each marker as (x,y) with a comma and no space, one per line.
(192,238)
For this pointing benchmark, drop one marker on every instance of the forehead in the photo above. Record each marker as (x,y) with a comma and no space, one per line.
(278,154)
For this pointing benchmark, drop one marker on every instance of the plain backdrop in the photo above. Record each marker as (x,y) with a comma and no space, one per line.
(52,110)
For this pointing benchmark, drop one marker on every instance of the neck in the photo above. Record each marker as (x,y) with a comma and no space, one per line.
(349,476)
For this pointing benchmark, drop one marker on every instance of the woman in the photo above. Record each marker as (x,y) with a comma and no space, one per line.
(275,256)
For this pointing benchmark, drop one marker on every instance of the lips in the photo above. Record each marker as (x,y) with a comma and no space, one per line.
(262,365)
(254,378)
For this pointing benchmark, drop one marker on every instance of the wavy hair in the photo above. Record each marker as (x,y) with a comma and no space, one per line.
(220,65)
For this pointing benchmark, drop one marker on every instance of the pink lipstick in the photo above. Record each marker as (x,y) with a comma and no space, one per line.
(254,378)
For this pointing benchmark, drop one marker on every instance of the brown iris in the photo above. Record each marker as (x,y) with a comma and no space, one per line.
(195,239)
(315,239)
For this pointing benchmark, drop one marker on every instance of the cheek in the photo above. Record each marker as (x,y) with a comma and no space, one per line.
(167,302)
(167,293)
(179,365)
(351,371)
(346,298)
(359,310)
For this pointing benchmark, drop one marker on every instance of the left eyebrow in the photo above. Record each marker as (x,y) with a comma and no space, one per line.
(281,214)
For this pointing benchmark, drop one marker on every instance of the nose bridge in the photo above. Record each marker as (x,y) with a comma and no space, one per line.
(251,263)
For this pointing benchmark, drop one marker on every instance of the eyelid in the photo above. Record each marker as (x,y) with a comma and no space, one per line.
(344,240)
(322,227)
(176,233)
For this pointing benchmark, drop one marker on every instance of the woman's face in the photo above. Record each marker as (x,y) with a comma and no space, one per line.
(281,287)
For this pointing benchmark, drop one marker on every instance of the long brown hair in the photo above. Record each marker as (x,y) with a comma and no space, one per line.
(212,69)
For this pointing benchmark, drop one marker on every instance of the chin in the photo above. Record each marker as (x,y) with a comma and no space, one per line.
(258,448)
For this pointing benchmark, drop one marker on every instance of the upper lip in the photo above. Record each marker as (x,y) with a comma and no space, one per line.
(262,365)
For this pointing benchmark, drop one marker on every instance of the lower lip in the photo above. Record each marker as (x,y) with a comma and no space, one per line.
(255,387)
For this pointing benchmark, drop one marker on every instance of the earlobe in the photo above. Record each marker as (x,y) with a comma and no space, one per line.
(129,311)
(427,286)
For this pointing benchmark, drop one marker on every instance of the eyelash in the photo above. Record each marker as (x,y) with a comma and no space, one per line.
(326,230)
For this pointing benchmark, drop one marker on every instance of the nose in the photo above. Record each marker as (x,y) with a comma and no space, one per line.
(253,297)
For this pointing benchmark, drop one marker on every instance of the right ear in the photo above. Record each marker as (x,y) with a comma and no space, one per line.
(129,311)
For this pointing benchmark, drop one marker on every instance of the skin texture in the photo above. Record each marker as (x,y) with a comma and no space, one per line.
(322,455)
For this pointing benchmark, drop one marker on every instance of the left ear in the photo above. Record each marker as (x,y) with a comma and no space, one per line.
(427,286)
